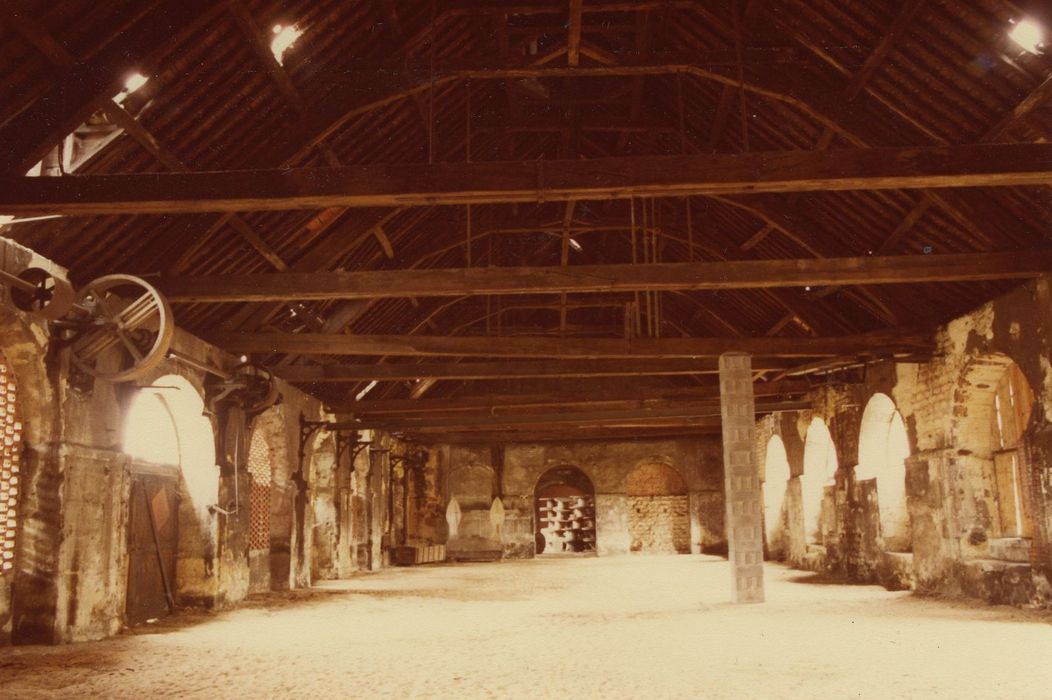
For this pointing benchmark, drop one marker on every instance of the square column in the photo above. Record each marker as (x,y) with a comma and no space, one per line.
(740,478)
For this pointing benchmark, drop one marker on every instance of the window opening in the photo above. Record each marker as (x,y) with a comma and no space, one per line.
(10,463)
(261,467)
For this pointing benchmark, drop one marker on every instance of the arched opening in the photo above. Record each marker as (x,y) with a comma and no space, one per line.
(10,467)
(261,473)
(658,510)
(174,483)
(820,465)
(565,505)
(995,402)
(883,447)
(1013,403)
(775,482)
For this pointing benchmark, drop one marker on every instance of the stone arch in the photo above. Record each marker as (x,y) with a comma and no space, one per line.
(993,404)
(820,466)
(775,485)
(564,498)
(883,447)
(171,442)
(166,425)
(658,509)
(655,478)
(271,427)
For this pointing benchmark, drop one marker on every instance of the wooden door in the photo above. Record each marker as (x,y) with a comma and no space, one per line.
(152,539)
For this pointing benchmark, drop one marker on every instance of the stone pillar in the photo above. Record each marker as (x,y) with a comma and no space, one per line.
(741,480)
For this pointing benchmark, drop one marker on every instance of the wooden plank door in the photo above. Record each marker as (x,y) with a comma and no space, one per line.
(152,539)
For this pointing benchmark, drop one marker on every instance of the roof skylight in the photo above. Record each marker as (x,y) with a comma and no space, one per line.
(134,81)
(284,38)
(1028,34)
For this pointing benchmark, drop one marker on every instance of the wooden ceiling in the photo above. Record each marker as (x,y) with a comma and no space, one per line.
(818,182)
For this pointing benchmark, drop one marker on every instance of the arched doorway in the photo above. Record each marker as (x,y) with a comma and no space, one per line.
(261,473)
(174,483)
(883,447)
(775,481)
(820,465)
(565,507)
(658,510)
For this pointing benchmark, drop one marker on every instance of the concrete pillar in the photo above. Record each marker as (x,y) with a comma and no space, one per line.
(741,480)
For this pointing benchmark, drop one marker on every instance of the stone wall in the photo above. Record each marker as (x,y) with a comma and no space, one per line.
(71,558)
(476,474)
(952,497)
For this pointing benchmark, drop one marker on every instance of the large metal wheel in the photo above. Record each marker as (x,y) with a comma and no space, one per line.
(37,291)
(124,314)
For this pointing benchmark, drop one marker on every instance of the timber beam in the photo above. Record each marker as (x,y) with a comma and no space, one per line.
(723,275)
(871,344)
(393,185)
(611,394)
(549,369)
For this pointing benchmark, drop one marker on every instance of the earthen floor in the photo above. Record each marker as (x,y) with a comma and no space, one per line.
(617,627)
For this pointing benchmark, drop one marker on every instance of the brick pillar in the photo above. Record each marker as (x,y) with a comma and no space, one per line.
(741,481)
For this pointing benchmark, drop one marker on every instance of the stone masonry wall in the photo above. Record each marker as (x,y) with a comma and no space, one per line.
(951,494)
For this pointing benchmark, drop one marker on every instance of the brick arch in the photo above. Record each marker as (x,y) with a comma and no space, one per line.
(883,447)
(658,509)
(820,466)
(655,479)
(776,474)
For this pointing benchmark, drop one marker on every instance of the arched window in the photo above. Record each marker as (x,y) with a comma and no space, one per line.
(166,425)
(883,447)
(775,480)
(820,465)
(261,467)
(1013,402)
(10,461)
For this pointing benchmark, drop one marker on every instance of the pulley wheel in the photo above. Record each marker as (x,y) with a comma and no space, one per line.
(52,298)
(122,316)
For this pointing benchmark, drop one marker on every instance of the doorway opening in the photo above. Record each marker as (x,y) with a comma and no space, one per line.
(565,509)
(174,481)
(883,448)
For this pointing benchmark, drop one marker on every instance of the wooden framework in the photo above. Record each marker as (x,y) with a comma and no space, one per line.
(648,182)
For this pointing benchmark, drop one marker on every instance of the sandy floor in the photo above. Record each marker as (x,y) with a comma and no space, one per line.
(656,627)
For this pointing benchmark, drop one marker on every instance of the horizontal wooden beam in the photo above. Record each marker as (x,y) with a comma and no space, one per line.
(706,429)
(551,369)
(666,416)
(878,344)
(392,185)
(537,413)
(743,274)
(609,394)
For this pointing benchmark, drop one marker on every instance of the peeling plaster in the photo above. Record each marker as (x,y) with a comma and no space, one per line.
(980,322)
(905,387)
(1046,387)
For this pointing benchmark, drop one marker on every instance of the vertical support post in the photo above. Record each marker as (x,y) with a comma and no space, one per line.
(741,480)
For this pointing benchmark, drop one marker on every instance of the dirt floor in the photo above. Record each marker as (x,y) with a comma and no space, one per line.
(632,627)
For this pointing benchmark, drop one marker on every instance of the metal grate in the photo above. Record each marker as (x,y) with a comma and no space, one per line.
(10,459)
(261,467)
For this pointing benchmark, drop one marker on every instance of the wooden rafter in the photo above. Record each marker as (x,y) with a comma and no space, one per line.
(740,274)
(521,369)
(489,182)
